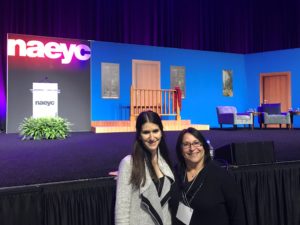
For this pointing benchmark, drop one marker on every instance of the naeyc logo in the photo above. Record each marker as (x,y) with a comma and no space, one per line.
(51,50)
(46,103)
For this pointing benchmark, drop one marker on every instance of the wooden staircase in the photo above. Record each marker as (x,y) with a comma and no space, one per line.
(129,126)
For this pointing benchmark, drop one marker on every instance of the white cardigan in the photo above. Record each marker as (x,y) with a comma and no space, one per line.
(142,206)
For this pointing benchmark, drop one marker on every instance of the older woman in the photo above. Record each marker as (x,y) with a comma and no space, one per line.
(145,177)
(206,193)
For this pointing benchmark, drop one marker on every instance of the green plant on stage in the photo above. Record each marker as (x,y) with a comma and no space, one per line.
(44,128)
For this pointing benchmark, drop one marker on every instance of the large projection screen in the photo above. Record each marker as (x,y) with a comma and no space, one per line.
(37,59)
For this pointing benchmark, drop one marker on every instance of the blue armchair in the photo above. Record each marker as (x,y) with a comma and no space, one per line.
(271,114)
(229,115)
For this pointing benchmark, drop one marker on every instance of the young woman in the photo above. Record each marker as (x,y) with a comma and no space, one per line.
(206,194)
(145,177)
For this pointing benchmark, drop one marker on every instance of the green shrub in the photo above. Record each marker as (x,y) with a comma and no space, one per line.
(44,128)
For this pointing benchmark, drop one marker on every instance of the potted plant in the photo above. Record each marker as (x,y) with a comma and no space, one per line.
(44,128)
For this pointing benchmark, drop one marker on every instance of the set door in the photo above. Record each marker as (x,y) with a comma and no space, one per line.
(276,88)
(146,76)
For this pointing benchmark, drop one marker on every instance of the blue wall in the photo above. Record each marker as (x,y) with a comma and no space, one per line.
(203,79)
(275,61)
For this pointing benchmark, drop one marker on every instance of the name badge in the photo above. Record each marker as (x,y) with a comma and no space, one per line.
(184,213)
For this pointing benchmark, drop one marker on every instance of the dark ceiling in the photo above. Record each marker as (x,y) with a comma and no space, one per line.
(239,26)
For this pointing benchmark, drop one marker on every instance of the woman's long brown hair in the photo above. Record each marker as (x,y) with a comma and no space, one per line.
(140,155)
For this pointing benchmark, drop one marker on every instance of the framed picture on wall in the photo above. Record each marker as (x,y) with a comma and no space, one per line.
(178,78)
(227,83)
(110,80)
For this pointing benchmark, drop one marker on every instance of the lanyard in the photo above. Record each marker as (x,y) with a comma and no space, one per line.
(184,193)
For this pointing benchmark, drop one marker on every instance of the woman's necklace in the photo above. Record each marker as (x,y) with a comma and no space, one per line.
(193,175)
(190,176)
(184,193)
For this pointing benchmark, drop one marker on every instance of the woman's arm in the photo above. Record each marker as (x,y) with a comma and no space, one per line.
(124,192)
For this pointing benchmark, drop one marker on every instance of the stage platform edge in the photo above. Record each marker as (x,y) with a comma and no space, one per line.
(117,126)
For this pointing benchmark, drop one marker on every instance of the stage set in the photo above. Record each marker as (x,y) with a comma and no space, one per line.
(101,87)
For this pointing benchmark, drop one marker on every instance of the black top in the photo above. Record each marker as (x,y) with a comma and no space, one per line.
(214,196)
(159,184)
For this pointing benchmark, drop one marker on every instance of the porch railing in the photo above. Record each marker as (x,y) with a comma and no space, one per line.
(160,101)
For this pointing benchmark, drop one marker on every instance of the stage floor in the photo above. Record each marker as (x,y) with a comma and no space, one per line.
(87,155)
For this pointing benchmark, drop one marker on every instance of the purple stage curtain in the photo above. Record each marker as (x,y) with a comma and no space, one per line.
(216,25)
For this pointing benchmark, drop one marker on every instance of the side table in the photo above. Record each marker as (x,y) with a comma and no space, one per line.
(255,114)
(292,114)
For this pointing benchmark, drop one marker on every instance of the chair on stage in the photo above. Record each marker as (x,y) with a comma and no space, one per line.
(271,114)
(229,115)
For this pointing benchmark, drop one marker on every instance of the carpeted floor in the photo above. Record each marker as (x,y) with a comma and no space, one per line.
(87,155)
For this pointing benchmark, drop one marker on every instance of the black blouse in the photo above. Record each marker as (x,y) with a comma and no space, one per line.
(159,184)
(214,196)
